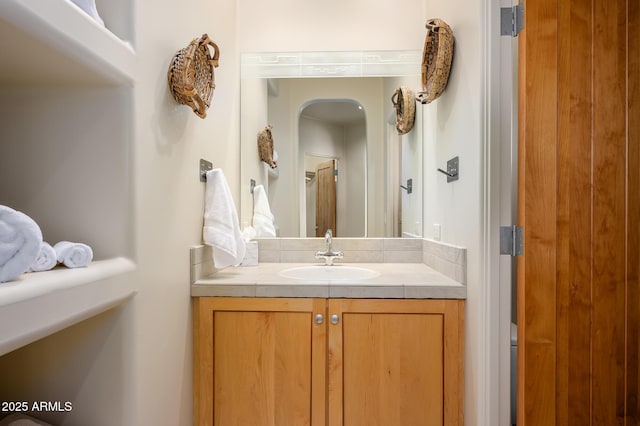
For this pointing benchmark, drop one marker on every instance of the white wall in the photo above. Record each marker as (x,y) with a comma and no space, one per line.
(254,98)
(170,139)
(410,162)
(284,187)
(281,25)
(355,176)
(412,168)
(453,126)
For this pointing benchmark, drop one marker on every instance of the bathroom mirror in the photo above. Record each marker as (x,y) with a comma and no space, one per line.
(332,110)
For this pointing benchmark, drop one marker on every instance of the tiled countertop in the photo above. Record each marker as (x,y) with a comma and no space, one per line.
(396,280)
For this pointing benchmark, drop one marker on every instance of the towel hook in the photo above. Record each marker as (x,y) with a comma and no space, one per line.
(409,187)
(252,184)
(205,166)
(453,170)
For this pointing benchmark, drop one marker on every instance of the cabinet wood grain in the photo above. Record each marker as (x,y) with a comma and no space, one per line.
(395,362)
(259,362)
(364,362)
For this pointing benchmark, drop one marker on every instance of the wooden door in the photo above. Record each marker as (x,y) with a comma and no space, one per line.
(259,362)
(395,362)
(326,198)
(579,204)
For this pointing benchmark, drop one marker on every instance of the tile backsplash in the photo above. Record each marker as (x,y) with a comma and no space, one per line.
(356,250)
(447,259)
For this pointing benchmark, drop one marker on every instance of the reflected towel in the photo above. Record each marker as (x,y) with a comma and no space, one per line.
(20,239)
(221,227)
(73,255)
(47,258)
(263,219)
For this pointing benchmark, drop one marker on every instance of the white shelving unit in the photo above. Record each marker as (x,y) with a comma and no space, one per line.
(66,113)
(54,42)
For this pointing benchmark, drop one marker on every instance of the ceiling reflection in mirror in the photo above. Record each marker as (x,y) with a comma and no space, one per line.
(332,110)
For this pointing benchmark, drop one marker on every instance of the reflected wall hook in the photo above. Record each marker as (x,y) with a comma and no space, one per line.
(453,170)
(409,187)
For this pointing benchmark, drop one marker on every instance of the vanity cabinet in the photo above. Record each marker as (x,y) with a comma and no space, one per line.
(351,362)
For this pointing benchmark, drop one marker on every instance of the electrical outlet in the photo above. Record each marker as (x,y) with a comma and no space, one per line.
(437,231)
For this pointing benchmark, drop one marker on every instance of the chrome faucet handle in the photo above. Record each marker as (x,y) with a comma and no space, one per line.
(328,255)
(327,239)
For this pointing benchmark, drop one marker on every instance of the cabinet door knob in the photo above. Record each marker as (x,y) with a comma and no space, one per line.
(335,319)
(319,318)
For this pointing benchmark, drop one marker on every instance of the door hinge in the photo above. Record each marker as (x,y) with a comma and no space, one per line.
(512,20)
(512,240)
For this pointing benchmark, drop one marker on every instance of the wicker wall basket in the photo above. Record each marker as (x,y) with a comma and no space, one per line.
(265,146)
(436,60)
(191,77)
(404,102)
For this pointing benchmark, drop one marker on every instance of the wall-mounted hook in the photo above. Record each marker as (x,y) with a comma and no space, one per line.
(252,184)
(453,169)
(446,172)
(205,166)
(409,187)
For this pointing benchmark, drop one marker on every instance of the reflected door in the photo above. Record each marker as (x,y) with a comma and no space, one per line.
(325,198)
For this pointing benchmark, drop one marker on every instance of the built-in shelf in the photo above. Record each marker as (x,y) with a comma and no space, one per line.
(53,42)
(60,70)
(41,303)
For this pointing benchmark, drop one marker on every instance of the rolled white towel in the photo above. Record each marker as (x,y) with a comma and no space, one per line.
(47,258)
(89,7)
(19,419)
(20,239)
(73,255)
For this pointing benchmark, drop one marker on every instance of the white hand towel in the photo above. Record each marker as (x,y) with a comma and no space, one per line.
(263,219)
(73,255)
(221,227)
(20,239)
(47,258)
(248,234)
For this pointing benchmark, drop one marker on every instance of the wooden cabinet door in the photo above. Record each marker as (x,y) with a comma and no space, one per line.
(259,362)
(395,362)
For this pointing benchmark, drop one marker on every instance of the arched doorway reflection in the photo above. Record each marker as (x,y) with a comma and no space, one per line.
(333,150)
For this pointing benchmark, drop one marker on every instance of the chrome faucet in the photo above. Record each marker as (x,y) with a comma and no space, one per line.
(328,254)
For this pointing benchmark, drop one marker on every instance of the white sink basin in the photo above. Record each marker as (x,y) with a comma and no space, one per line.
(323,272)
